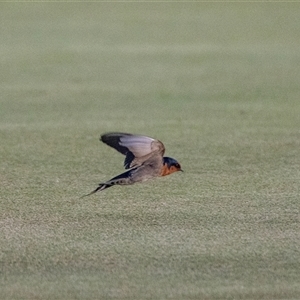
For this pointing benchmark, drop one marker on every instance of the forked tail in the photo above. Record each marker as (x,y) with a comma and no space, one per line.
(122,179)
(101,187)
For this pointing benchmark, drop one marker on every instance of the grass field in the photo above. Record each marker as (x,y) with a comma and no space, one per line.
(218,83)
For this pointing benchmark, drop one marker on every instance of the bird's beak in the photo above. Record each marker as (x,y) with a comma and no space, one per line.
(181,170)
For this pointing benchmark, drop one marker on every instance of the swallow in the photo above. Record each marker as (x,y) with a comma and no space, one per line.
(143,158)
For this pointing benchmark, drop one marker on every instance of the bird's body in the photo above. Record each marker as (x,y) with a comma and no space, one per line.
(143,157)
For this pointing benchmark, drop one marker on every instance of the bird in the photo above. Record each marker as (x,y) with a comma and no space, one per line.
(143,158)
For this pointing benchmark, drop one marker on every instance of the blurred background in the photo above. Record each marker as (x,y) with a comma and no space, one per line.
(218,83)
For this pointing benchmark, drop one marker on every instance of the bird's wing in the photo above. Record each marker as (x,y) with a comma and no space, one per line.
(137,148)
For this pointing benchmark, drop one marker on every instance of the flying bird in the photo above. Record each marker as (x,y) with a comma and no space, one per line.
(143,157)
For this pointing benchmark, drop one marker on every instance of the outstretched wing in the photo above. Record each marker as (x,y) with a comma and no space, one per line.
(137,148)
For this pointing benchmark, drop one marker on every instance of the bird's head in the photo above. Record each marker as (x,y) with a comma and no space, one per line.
(170,165)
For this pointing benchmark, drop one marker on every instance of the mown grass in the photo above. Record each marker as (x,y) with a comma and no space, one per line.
(218,83)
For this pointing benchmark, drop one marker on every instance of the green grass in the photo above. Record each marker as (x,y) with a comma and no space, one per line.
(218,83)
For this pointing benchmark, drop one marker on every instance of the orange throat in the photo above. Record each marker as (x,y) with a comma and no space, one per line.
(167,171)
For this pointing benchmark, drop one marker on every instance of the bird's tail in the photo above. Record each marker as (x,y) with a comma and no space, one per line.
(122,179)
(100,187)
